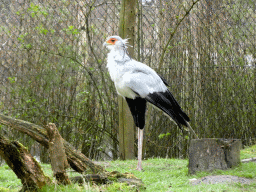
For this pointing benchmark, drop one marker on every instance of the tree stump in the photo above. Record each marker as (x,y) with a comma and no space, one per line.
(211,153)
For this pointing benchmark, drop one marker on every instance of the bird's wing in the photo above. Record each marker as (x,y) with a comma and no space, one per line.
(147,84)
(164,80)
(143,80)
(138,109)
(167,103)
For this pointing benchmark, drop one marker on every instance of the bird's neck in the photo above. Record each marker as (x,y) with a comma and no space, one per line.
(119,55)
(117,60)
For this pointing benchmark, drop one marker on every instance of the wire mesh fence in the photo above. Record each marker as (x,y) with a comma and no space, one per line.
(52,69)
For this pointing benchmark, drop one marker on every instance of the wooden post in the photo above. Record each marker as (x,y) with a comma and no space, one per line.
(211,153)
(126,123)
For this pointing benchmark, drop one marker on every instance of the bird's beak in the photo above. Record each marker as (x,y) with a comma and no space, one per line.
(106,44)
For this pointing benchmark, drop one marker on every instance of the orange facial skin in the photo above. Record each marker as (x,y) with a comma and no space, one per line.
(112,41)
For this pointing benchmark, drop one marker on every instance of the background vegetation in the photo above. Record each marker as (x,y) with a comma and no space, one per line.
(52,69)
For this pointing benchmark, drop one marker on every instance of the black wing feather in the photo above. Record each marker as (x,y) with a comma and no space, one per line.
(167,103)
(138,109)
(164,80)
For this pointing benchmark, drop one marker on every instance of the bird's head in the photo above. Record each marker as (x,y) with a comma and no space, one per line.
(115,42)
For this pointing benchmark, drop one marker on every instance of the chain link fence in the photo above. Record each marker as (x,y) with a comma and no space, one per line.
(52,69)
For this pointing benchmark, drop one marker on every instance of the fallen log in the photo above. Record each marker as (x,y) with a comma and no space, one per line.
(23,165)
(98,179)
(108,178)
(78,161)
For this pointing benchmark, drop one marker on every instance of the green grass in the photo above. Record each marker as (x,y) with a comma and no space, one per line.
(172,175)
(248,152)
(158,175)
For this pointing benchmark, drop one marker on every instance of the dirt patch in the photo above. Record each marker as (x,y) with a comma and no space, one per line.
(221,179)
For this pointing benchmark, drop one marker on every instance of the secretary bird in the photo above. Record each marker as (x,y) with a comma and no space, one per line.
(138,84)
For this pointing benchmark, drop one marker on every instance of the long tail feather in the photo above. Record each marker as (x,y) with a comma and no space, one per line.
(167,103)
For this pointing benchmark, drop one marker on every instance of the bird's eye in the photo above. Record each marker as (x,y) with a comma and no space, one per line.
(112,41)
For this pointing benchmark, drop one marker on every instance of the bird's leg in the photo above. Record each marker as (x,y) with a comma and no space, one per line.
(140,141)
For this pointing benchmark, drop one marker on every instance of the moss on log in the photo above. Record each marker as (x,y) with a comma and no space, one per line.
(23,165)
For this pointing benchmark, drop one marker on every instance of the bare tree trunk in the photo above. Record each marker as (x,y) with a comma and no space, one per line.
(23,164)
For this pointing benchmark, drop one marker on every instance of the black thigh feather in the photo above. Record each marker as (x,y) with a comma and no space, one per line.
(138,109)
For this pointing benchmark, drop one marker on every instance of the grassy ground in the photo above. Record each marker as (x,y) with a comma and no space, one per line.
(158,175)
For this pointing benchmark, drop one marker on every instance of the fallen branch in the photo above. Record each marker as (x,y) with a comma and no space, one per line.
(173,32)
(108,178)
(253,159)
(78,161)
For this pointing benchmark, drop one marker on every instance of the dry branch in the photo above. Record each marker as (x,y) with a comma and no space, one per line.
(173,32)
(253,159)
(57,154)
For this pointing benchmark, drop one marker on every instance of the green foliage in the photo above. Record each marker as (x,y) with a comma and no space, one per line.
(36,10)
(42,29)
(12,79)
(21,37)
(8,179)
(248,152)
(164,135)
(71,30)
